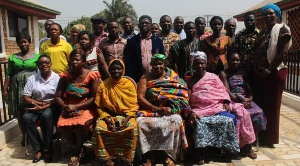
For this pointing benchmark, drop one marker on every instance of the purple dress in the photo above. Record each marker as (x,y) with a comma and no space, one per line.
(240,88)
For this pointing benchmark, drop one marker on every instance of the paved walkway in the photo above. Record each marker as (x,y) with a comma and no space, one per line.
(286,153)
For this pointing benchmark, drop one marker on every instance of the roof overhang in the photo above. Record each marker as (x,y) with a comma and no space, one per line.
(284,5)
(29,8)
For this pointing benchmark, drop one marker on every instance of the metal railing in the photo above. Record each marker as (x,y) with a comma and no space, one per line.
(293,79)
(4,117)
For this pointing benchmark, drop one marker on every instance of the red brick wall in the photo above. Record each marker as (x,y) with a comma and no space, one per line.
(10,45)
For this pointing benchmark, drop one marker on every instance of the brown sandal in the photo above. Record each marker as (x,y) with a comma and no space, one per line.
(109,163)
(252,155)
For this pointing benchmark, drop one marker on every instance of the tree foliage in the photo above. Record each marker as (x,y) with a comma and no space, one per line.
(114,11)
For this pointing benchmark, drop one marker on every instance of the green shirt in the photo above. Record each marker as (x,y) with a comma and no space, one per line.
(16,64)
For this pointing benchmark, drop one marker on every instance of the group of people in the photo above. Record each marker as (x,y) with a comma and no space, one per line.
(157,96)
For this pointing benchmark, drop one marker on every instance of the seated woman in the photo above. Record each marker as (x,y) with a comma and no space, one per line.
(163,96)
(75,95)
(39,95)
(115,134)
(209,97)
(236,82)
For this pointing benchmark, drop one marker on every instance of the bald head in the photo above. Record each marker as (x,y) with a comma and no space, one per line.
(178,24)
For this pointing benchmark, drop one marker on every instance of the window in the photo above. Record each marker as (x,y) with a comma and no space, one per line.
(17,24)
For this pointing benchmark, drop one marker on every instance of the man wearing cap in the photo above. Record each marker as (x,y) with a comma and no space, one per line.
(98,27)
(140,48)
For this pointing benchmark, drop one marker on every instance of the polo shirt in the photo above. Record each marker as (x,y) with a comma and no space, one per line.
(58,53)
(39,89)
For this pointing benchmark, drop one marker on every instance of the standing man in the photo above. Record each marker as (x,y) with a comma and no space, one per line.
(111,48)
(245,42)
(98,28)
(178,27)
(140,48)
(169,38)
(200,24)
(128,28)
(182,51)
(230,26)
(47,27)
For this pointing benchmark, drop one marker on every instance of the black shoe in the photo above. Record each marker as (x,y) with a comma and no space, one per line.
(47,157)
(36,159)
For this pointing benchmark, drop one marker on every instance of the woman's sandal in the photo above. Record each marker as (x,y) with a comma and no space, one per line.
(252,155)
(169,162)
(201,161)
(74,161)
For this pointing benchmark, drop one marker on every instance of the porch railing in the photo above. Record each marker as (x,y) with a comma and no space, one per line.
(4,117)
(293,78)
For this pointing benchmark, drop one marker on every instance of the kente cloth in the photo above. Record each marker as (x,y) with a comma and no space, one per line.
(161,133)
(116,98)
(216,131)
(207,98)
(77,93)
(239,87)
(111,145)
(169,91)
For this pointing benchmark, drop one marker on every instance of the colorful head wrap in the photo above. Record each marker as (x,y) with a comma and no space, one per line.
(199,55)
(80,27)
(158,56)
(274,7)
(118,62)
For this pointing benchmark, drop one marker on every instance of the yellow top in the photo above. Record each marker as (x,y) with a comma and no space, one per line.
(58,53)
(117,97)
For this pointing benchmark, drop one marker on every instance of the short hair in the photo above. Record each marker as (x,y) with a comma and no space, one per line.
(90,35)
(188,23)
(49,21)
(249,13)
(127,17)
(229,54)
(164,17)
(60,28)
(112,21)
(197,18)
(216,18)
(97,20)
(80,52)
(145,16)
(44,56)
(23,35)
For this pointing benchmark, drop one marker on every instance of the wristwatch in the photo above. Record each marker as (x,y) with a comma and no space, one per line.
(267,71)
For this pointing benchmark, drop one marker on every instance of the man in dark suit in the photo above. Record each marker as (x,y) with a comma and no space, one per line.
(140,48)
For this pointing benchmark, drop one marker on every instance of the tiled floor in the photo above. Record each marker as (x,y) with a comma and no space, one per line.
(286,153)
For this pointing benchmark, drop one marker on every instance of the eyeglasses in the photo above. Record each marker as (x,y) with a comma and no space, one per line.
(42,63)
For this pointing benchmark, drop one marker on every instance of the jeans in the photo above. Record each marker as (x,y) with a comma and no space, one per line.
(47,119)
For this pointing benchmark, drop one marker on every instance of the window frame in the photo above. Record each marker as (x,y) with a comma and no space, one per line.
(18,16)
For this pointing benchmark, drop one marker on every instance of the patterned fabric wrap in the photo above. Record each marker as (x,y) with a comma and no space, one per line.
(163,133)
(111,145)
(216,131)
(229,115)
(80,27)
(77,93)
(170,91)
(239,87)
(207,99)
(15,93)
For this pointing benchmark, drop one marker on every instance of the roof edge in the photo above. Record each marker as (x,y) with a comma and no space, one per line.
(36,6)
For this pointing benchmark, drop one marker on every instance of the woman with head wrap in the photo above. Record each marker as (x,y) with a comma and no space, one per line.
(272,47)
(21,65)
(163,97)
(74,32)
(216,47)
(209,98)
(115,134)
